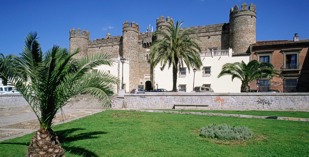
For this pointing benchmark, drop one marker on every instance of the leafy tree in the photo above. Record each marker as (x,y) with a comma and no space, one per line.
(175,47)
(51,80)
(6,67)
(248,72)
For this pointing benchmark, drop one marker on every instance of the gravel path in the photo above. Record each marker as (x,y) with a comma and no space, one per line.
(18,120)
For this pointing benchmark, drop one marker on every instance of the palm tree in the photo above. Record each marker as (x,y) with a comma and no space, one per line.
(6,67)
(176,48)
(51,80)
(248,72)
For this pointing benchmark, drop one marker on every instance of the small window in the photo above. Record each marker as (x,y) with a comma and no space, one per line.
(264,59)
(206,71)
(147,56)
(182,88)
(182,72)
(263,85)
(291,61)
(290,85)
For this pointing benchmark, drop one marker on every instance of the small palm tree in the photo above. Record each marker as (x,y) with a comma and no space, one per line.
(176,48)
(248,72)
(6,67)
(47,82)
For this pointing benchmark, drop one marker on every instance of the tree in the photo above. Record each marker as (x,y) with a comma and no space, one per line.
(51,80)
(6,67)
(248,72)
(175,47)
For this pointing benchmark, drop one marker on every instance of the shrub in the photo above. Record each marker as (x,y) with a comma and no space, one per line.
(226,132)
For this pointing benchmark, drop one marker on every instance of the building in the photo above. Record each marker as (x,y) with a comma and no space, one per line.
(290,58)
(220,43)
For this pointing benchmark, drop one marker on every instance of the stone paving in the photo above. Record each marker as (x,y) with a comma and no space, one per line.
(18,120)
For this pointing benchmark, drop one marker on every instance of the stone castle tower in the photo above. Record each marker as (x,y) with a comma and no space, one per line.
(79,39)
(134,45)
(130,33)
(242,27)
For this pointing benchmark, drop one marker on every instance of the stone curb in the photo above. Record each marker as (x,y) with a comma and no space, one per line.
(232,115)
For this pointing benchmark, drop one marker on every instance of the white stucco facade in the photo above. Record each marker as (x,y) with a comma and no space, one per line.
(116,70)
(214,61)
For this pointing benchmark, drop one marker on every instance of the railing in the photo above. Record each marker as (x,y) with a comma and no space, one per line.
(292,66)
(221,52)
(209,53)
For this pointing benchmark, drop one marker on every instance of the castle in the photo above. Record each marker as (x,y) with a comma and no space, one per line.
(220,43)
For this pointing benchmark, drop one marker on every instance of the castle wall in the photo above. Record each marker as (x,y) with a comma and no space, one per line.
(144,70)
(109,45)
(212,36)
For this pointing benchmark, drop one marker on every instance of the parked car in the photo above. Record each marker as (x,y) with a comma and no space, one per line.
(137,91)
(161,90)
(8,90)
(202,89)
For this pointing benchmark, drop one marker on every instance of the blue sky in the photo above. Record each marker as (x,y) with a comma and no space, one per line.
(52,20)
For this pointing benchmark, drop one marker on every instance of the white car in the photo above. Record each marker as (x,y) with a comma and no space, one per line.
(203,89)
(8,90)
(137,91)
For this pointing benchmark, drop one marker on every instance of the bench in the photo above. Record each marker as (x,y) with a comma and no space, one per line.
(190,106)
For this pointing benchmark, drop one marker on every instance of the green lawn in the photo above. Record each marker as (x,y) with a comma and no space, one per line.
(131,133)
(256,113)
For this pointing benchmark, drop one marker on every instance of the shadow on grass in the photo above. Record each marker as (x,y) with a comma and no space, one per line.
(66,137)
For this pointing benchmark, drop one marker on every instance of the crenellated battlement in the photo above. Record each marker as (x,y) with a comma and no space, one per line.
(244,10)
(113,40)
(161,21)
(130,26)
(79,34)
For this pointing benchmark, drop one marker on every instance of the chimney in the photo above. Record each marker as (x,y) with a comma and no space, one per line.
(296,37)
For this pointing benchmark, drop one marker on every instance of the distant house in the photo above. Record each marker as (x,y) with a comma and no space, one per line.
(290,58)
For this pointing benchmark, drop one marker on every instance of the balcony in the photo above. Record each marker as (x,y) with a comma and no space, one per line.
(290,67)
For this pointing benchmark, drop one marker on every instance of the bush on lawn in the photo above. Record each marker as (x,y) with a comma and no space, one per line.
(226,132)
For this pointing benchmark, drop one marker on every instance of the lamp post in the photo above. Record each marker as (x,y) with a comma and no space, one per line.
(122,60)
(194,70)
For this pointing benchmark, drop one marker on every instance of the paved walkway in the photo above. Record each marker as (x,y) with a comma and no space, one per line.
(17,121)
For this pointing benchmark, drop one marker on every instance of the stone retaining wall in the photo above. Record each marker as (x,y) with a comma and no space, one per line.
(235,101)
(79,102)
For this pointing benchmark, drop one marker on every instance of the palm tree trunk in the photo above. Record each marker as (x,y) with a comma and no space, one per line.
(45,143)
(4,81)
(244,87)
(175,71)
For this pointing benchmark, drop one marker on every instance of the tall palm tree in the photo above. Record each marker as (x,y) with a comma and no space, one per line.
(248,72)
(6,67)
(51,80)
(175,47)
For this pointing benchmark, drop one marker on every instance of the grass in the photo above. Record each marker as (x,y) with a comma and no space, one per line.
(296,114)
(131,133)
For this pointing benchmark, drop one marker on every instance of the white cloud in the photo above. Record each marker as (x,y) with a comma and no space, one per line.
(106,28)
